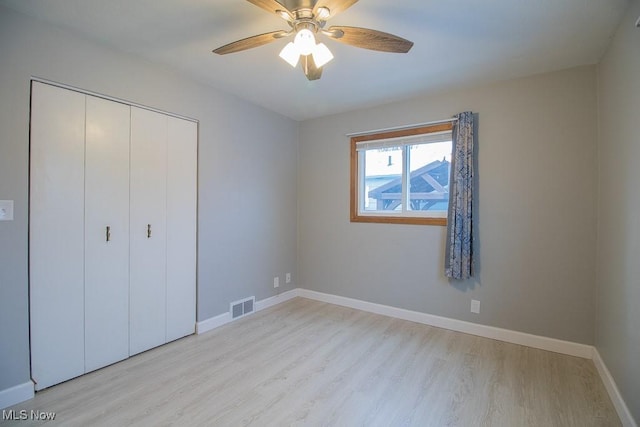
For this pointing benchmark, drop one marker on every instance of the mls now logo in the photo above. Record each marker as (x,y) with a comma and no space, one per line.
(23,414)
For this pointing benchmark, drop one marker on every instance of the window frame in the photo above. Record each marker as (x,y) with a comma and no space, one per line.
(384,218)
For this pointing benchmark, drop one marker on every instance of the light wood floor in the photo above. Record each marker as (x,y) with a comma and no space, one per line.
(310,363)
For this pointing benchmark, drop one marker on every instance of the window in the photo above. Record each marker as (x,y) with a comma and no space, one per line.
(402,176)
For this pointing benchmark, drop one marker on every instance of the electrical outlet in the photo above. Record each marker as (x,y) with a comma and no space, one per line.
(287,278)
(276,282)
(475,306)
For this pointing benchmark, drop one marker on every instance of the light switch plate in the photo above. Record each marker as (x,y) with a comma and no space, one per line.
(6,210)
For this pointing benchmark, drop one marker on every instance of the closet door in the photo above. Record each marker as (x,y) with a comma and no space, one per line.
(181,227)
(56,240)
(106,229)
(148,188)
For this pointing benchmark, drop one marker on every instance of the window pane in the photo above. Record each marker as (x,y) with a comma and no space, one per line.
(382,179)
(429,179)
(401,176)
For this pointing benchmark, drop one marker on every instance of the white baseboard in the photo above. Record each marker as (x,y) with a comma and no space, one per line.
(614,392)
(277,299)
(212,323)
(529,340)
(224,318)
(16,394)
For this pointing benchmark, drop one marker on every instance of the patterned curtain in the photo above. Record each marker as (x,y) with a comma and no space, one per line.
(459,249)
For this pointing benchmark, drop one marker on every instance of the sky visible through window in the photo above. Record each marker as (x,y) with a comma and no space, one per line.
(385,162)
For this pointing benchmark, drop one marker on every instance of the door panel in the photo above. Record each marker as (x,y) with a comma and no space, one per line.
(56,241)
(106,257)
(148,230)
(181,227)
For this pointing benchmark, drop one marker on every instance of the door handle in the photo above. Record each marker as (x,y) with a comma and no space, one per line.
(108,233)
(148,231)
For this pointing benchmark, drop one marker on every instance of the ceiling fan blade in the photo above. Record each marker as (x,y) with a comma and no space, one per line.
(334,6)
(309,67)
(250,42)
(269,5)
(369,39)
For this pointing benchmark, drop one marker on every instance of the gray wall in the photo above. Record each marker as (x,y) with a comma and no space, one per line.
(247,172)
(618,283)
(535,210)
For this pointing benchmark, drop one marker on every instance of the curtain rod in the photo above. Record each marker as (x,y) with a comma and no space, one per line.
(417,125)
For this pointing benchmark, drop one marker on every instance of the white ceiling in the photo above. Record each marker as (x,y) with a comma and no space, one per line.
(457,42)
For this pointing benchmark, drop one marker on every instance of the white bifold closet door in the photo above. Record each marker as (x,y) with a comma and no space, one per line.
(148,234)
(163,229)
(56,235)
(106,231)
(182,188)
(112,233)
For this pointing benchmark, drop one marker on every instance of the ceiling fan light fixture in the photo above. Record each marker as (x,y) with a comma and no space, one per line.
(285,15)
(321,55)
(305,42)
(323,13)
(290,54)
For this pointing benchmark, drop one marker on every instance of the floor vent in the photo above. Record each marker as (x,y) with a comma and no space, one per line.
(242,307)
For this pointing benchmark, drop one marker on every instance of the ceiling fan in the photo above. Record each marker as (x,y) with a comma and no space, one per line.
(307,18)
